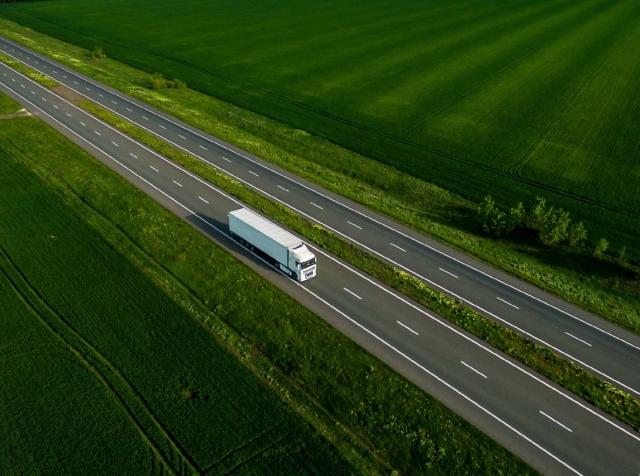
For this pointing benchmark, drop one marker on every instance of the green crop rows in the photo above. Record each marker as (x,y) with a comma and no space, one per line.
(101,371)
(513,98)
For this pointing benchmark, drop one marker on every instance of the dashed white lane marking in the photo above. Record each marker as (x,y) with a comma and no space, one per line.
(556,421)
(128,109)
(578,339)
(352,293)
(22,86)
(114,102)
(145,118)
(282,188)
(396,246)
(67,114)
(162,127)
(101,95)
(55,106)
(253,173)
(448,272)
(408,328)
(177,183)
(354,225)
(203,200)
(83,124)
(507,303)
(472,369)
(153,168)
(316,205)
(97,133)
(44,99)
(133,155)
(203,147)
(228,160)
(182,137)
(114,143)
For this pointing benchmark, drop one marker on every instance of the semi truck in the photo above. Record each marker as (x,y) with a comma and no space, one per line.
(282,249)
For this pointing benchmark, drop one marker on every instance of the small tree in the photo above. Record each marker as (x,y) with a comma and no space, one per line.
(536,215)
(516,218)
(601,248)
(554,226)
(577,234)
(493,220)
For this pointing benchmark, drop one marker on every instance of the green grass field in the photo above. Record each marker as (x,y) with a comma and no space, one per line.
(101,371)
(513,98)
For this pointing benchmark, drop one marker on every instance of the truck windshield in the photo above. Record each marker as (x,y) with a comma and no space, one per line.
(306,264)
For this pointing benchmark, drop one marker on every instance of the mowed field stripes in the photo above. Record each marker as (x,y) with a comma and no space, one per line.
(424,347)
(614,354)
(532,97)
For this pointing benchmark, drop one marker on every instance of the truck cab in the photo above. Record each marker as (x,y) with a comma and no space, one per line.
(303,262)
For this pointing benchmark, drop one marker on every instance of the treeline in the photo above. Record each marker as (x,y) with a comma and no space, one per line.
(552,225)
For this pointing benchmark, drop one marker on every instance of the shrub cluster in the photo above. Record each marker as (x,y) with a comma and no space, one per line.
(552,225)
(98,53)
(158,82)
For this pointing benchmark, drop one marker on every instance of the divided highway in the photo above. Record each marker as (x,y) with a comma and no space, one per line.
(606,350)
(545,425)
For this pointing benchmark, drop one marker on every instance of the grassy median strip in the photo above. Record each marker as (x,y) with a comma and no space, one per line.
(574,378)
(379,420)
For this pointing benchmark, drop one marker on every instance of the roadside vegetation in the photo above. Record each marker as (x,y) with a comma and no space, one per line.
(377,420)
(594,285)
(574,378)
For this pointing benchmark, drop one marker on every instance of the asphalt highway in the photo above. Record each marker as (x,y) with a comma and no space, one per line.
(610,352)
(548,427)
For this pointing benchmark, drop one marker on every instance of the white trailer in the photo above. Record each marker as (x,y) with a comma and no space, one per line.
(284,250)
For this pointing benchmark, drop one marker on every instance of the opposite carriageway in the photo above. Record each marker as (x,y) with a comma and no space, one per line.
(506,400)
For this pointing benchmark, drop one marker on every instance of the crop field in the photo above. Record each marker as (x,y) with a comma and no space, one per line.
(510,97)
(101,371)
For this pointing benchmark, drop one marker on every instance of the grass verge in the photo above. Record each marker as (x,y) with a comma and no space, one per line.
(351,392)
(419,204)
(8,105)
(574,378)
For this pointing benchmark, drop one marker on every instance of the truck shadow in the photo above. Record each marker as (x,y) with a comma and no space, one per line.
(218,231)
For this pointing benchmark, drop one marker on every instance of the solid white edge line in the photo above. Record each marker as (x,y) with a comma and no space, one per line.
(407,328)
(578,339)
(507,302)
(440,321)
(556,421)
(193,130)
(352,293)
(473,369)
